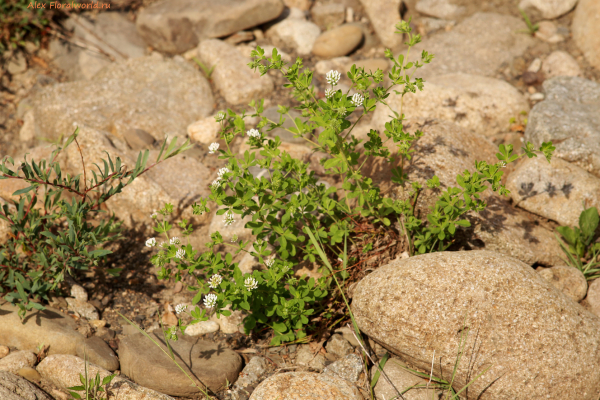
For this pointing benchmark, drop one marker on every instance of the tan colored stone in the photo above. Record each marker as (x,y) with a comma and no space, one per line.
(294,33)
(338,346)
(548,9)
(96,351)
(205,130)
(370,64)
(586,30)
(560,63)
(557,190)
(402,380)
(13,387)
(230,324)
(518,325)
(83,308)
(16,360)
(202,328)
(305,386)
(569,280)
(4,351)
(338,42)
(384,15)
(305,357)
(30,374)
(593,296)
(329,15)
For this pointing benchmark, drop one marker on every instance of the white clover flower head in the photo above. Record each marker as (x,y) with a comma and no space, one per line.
(222,172)
(180,253)
(234,238)
(213,148)
(357,99)
(269,263)
(333,77)
(220,116)
(502,164)
(216,184)
(151,242)
(250,283)
(215,281)
(228,218)
(175,240)
(179,308)
(154,215)
(164,244)
(210,300)
(253,133)
(329,93)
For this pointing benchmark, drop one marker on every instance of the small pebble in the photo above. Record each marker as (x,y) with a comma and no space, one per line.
(4,350)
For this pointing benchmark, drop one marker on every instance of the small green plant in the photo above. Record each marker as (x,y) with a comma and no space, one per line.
(20,23)
(531,28)
(207,71)
(580,250)
(93,388)
(51,234)
(288,197)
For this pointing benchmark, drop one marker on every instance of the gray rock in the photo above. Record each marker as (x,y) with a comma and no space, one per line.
(160,97)
(479,45)
(79,293)
(63,371)
(482,104)
(569,280)
(202,328)
(305,385)
(402,380)
(297,34)
(96,351)
(251,374)
(338,42)
(349,368)
(558,190)
(548,9)
(232,76)
(509,318)
(570,118)
(348,334)
(13,387)
(49,327)
(16,360)
(339,346)
(148,366)
(120,41)
(442,9)
(586,30)
(83,308)
(306,358)
(384,15)
(560,63)
(329,15)
(176,26)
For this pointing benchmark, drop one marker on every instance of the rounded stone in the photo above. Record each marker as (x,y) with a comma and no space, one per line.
(13,387)
(17,360)
(593,296)
(560,63)
(570,281)
(526,339)
(202,328)
(30,374)
(338,42)
(96,351)
(4,351)
(305,386)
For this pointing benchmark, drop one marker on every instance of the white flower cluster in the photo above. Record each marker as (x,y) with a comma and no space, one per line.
(180,253)
(215,281)
(222,172)
(151,242)
(210,300)
(179,308)
(228,218)
(329,93)
(220,116)
(253,133)
(213,148)
(333,77)
(357,99)
(250,283)
(215,184)
(175,240)
(269,263)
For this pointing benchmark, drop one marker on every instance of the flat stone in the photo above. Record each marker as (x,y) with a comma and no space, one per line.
(176,26)
(482,104)
(305,386)
(442,9)
(148,366)
(329,15)
(447,150)
(13,387)
(159,96)
(570,118)
(205,130)
(63,371)
(49,327)
(557,190)
(560,63)
(83,308)
(297,34)
(138,139)
(232,76)
(306,358)
(252,372)
(548,9)
(339,346)
(568,280)
(478,45)
(518,325)
(16,360)
(338,42)
(586,30)
(30,374)
(202,328)
(96,351)
(349,368)
(384,15)
(402,380)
